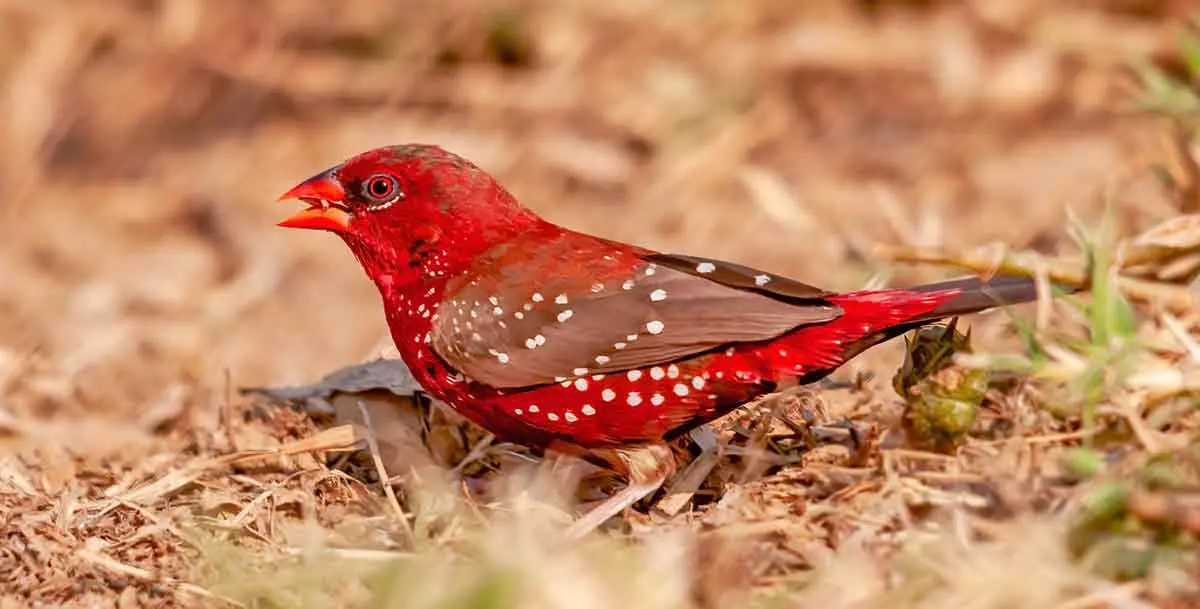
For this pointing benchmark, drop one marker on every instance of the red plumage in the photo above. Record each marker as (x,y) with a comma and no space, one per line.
(550,337)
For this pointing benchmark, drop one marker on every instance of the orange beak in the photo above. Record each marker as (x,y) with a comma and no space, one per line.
(324,195)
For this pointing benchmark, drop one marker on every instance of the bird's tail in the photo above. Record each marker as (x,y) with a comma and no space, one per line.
(871,317)
(972,294)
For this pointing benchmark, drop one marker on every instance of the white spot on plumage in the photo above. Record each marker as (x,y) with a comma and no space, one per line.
(530,343)
(650,270)
(552,416)
(536,297)
(588,410)
(633,399)
(762,279)
(631,337)
(527,307)
(602,359)
(633,375)
(655,326)
(476,337)
(698,383)
(570,417)
(502,358)
(627,284)
(672,371)
(597,287)
(657,399)
(581,384)
(579,371)
(608,395)
(565,315)
(533,408)
(561,299)
(518,411)
(561,379)
(681,389)
(619,346)
(705,267)
(597,377)
(658,295)
(497,311)
(657,373)
(541,340)
(519,315)
(493,300)
(783,353)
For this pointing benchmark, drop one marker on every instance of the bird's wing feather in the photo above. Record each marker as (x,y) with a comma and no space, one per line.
(542,310)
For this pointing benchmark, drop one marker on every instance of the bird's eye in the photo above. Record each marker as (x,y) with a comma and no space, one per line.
(381,189)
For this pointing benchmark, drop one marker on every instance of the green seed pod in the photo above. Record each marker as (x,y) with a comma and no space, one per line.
(942,399)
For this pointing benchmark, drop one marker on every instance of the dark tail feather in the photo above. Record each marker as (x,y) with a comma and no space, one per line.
(973,295)
(977,294)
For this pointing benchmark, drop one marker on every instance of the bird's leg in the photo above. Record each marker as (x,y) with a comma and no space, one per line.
(646,467)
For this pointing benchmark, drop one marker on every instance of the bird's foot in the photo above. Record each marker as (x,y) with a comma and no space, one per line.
(856,383)
(613,506)
(647,468)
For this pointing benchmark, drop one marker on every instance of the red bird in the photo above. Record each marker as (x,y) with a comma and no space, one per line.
(550,337)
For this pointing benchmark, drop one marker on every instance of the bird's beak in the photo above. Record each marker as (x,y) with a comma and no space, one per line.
(325,197)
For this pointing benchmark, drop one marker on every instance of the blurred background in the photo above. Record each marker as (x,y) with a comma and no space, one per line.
(143,280)
(144,143)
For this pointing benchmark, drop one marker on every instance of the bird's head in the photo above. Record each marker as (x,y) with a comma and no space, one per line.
(410,212)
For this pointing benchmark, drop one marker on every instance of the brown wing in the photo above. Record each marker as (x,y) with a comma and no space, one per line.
(544,311)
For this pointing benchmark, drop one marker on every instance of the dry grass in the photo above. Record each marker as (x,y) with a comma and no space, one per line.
(143,145)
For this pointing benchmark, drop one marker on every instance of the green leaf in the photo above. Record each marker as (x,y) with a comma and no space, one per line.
(1189,50)
(1084,463)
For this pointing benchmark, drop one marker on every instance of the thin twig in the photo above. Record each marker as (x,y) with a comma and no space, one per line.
(1175,327)
(352,553)
(1174,297)
(1106,596)
(381,471)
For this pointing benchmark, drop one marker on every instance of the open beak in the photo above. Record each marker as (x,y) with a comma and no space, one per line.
(325,198)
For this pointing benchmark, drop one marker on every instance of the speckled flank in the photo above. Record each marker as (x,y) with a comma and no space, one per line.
(653,401)
(597,409)
(638,403)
